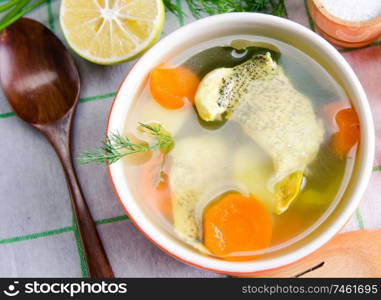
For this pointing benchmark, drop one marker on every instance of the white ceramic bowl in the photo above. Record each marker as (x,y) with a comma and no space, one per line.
(286,31)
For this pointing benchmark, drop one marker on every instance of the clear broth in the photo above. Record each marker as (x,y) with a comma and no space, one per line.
(325,179)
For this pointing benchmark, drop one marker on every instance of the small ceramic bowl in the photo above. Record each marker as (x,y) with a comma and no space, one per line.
(343,33)
(220,26)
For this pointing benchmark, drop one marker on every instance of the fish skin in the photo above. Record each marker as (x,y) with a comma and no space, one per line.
(260,97)
(197,167)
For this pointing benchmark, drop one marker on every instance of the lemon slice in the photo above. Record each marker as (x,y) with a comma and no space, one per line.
(111,31)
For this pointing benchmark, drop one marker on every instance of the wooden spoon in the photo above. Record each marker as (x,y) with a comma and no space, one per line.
(351,254)
(42,85)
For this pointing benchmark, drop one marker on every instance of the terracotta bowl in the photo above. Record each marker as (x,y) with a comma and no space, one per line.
(234,24)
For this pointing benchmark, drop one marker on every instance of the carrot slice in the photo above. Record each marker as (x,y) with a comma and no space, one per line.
(349,131)
(169,87)
(154,186)
(236,223)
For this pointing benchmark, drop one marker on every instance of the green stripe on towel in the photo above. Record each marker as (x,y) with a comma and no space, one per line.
(35,235)
(82,100)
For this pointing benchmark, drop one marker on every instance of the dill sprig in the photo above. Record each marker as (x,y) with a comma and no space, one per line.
(115,146)
(278,8)
(18,8)
(173,7)
(15,9)
(198,8)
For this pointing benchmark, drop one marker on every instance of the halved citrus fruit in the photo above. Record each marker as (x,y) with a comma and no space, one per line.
(111,31)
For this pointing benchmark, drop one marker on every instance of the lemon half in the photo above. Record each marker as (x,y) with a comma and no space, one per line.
(111,31)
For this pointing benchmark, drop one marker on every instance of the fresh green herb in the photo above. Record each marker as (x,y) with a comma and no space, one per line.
(7,5)
(11,13)
(116,146)
(198,8)
(173,7)
(16,9)
(278,8)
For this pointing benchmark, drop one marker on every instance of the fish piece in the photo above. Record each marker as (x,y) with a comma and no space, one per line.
(197,167)
(252,167)
(260,97)
(221,89)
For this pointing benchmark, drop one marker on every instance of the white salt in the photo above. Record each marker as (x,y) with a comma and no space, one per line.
(353,10)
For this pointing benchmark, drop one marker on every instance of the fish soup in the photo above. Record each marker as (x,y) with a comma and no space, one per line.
(264,143)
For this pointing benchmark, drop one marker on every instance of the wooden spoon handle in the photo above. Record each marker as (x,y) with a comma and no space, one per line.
(96,258)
